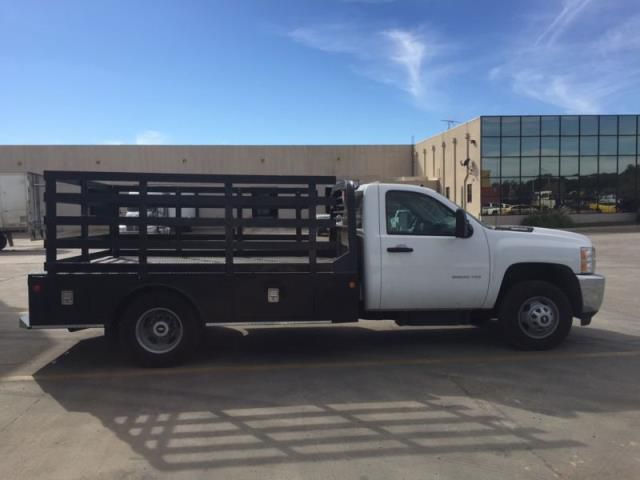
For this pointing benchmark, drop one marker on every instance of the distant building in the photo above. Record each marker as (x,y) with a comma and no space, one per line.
(497,167)
(584,164)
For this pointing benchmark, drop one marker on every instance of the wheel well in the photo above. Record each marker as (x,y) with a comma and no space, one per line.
(159,289)
(559,275)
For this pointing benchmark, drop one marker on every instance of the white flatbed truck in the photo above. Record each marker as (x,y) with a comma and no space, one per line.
(394,251)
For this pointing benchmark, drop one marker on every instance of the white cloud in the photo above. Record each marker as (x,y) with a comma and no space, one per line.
(404,58)
(372,2)
(408,52)
(333,38)
(150,137)
(146,137)
(561,21)
(621,38)
(564,69)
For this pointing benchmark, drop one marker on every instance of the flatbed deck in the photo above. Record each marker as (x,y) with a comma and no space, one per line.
(159,260)
(250,252)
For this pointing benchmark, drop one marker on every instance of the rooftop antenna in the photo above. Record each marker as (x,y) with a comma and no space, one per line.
(450,123)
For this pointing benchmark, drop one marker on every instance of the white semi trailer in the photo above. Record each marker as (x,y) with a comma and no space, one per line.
(21,206)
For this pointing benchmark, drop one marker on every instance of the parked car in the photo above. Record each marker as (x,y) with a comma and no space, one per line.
(495,209)
(524,209)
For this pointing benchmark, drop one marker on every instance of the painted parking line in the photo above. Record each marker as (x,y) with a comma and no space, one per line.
(161,372)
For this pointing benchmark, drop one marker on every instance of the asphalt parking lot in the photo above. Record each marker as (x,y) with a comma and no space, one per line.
(363,401)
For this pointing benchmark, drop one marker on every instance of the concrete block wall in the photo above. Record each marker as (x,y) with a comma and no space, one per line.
(362,162)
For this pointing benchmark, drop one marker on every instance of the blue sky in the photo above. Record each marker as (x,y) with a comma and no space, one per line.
(304,72)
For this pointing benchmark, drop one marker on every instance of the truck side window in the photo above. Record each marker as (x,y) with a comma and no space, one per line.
(411,213)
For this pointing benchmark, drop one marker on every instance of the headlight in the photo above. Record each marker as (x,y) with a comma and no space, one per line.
(587,259)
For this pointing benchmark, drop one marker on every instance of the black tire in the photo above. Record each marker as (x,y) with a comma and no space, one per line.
(535,315)
(3,241)
(168,315)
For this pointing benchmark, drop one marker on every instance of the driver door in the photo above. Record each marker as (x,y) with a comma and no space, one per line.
(424,265)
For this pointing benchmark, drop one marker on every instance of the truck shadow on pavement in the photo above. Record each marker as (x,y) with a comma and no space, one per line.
(18,346)
(308,394)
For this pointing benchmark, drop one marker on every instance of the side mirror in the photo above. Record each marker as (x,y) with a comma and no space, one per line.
(462,224)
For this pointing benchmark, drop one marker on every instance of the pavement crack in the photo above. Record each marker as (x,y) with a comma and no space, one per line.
(22,414)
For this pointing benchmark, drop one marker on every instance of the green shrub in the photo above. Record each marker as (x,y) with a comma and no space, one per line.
(548,219)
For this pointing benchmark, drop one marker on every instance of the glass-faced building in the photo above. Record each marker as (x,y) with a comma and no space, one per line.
(581,163)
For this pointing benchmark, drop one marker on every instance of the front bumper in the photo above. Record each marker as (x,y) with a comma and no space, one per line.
(592,288)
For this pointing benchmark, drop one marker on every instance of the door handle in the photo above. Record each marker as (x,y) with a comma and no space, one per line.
(400,249)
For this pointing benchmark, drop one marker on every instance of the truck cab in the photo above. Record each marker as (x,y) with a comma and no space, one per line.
(419,263)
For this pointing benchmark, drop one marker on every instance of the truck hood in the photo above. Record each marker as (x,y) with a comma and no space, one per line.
(546,234)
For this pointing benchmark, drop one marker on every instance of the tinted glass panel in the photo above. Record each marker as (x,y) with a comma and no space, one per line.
(588,145)
(588,194)
(509,190)
(527,197)
(530,146)
(549,146)
(511,126)
(510,167)
(490,147)
(491,191)
(549,166)
(568,166)
(490,167)
(510,147)
(530,166)
(589,125)
(627,125)
(607,198)
(608,125)
(627,145)
(627,197)
(569,146)
(530,126)
(569,193)
(410,213)
(491,126)
(588,165)
(608,145)
(547,192)
(626,164)
(608,164)
(569,125)
(550,125)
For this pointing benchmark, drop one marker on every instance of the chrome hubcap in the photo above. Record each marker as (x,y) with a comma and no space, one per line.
(159,330)
(538,317)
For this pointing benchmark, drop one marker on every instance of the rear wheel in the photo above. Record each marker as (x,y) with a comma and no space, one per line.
(3,241)
(159,329)
(535,315)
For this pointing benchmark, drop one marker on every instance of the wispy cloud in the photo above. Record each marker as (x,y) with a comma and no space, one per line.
(369,1)
(150,137)
(146,137)
(563,68)
(408,51)
(409,59)
(560,22)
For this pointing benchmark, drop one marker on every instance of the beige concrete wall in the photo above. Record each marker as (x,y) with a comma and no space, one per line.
(440,156)
(363,162)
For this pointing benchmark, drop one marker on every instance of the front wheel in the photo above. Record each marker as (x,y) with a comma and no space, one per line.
(3,241)
(535,315)
(159,329)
